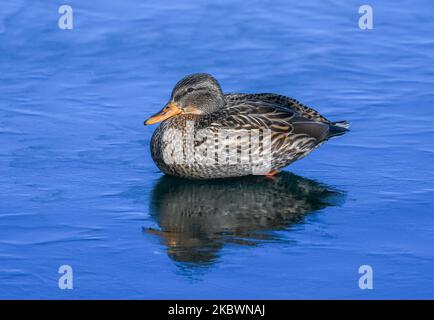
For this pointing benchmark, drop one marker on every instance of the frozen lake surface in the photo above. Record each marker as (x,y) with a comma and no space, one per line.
(79,188)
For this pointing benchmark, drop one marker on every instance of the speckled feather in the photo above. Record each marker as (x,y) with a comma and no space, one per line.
(296,130)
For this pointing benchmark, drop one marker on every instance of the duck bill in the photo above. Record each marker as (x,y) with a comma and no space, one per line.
(170,110)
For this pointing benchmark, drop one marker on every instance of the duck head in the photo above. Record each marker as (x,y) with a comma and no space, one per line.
(198,93)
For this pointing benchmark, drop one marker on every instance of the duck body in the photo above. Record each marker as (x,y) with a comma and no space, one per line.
(247,134)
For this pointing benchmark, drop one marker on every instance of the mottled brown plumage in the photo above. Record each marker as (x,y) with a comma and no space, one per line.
(233,126)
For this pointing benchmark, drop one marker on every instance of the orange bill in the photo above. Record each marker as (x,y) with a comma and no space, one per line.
(167,112)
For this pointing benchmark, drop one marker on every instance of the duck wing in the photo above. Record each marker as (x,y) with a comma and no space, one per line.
(292,135)
(294,132)
(250,111)
(281,101)
(335,128)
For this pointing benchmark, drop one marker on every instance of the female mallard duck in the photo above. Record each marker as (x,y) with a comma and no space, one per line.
(207,134)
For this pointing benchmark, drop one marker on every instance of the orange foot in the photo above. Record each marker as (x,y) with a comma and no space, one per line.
(271,174)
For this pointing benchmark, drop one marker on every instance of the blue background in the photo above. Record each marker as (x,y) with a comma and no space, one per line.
(76,175)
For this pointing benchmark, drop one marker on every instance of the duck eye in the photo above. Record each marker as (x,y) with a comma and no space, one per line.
(190,89)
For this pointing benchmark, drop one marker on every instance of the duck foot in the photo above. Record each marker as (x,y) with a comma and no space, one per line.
(272,174)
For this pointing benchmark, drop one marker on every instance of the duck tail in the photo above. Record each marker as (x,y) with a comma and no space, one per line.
(339,127)
(342,124)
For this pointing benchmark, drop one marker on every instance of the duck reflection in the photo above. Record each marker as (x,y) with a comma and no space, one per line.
(198,217)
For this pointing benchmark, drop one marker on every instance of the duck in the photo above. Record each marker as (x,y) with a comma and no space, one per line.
(204,133)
